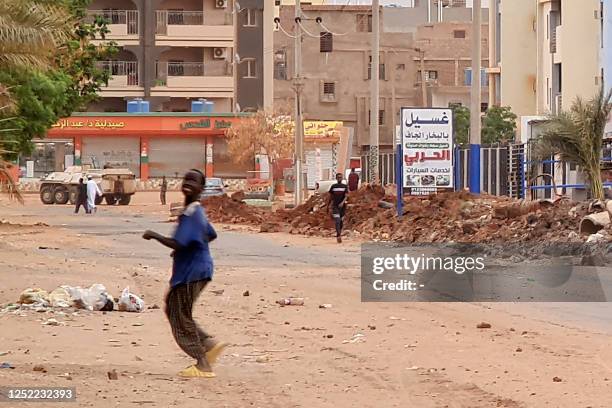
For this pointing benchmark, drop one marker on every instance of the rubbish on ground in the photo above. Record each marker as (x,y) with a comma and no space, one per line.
(291,302)
(128,302)
(557,379)
(52,322)
(597,237)
(34,296)
(7,365)
(94,298)
(357,338)
(218,292)
(60,297)
(325,306)
(112,375)
(39,368)
(246,293)
(483,325)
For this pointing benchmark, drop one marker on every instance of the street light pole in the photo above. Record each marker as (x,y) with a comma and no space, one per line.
(374,94)
(299,127)
(474,163)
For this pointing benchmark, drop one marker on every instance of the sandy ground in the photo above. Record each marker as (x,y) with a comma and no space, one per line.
(410,355)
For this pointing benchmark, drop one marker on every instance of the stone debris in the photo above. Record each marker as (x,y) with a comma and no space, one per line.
(483,325)
(112,375)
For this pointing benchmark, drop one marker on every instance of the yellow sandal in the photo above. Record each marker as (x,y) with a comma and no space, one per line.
(193,371)
(213,354)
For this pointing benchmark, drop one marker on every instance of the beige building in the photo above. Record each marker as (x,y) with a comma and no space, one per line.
(548,53)
(173,52)
(336,67)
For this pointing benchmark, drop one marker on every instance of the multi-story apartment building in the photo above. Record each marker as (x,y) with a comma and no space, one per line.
(606,51)
(337,58)
(176,51)
(549,53)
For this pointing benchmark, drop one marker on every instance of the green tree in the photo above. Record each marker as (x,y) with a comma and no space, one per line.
(576,136)
(499,125)
(461,124)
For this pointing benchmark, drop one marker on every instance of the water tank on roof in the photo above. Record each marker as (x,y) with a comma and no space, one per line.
(138,106)
(197,106)
(210,107)
(145,107)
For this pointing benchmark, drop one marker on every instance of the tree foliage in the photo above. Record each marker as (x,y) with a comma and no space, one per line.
(264,132)
(498,125)
(577,135)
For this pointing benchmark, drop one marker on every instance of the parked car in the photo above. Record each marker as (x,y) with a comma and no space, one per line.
(214,187)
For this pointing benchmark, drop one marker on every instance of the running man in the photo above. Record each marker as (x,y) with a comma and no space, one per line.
(337,198)
(192,270)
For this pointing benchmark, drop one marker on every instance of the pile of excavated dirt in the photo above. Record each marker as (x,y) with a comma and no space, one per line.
(232,210)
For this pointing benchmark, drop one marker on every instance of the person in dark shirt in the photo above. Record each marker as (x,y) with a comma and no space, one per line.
(162,191)
(81,197)
(192,270)
(337,201)
(353,180)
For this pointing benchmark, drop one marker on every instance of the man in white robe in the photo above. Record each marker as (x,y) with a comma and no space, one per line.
(92,191)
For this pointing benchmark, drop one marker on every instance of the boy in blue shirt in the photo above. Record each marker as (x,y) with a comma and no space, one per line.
(192,269)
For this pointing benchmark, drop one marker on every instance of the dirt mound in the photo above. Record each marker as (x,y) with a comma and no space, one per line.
(229,210)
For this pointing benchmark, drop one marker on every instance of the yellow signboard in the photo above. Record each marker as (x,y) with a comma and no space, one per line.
(321,128)
(98,124)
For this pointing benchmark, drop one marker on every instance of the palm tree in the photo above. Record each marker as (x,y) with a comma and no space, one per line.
(576,136)
(30,33)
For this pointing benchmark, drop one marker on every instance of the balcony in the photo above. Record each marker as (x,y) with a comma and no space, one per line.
(558,42)
(123,25)
(183,28)
(191,79)
(124,79)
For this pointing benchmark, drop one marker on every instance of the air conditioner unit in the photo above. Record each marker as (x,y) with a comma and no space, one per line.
(221,3)
(220,53)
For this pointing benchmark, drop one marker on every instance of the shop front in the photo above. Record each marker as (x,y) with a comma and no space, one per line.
(151,145)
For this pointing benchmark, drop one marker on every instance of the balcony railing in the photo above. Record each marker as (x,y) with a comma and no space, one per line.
(127,18)
(177,18)
(123,73)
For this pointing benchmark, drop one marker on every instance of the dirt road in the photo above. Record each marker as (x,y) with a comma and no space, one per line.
(408,355)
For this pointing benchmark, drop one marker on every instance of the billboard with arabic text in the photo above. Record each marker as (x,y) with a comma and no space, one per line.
(427,144)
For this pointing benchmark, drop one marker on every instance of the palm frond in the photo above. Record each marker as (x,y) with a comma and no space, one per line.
(7,184)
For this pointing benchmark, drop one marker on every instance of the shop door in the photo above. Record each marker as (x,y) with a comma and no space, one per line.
(173,157)
(115,152)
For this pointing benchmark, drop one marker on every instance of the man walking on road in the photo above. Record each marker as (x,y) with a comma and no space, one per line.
(162,191)
(192,270)
(353,180)
(337,198)
(92,192)
(81,198)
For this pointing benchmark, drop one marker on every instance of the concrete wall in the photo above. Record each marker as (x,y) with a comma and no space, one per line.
(519,53)
(406,19)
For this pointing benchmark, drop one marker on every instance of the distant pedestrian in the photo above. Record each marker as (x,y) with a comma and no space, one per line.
(92,192)
(353,180)
(338,193)
(162,191)
(81,197)
(192,270)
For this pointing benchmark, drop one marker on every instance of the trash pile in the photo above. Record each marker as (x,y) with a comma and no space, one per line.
(94,298)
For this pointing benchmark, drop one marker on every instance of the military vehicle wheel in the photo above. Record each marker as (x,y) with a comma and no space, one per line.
(46,195)
(60,195)
(72,196)
(98,200)
(110,199)
(125,199)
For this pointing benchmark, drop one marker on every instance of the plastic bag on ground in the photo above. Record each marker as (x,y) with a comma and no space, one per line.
(94,298)
(129,302)
(60,297)
(34,296)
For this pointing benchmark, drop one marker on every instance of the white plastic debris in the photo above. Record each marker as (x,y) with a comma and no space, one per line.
(128,302)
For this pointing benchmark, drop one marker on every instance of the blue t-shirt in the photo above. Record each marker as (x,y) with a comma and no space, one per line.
(193,261)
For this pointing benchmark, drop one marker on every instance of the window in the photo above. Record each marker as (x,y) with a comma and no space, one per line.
(484,78)
(328,91)
(364,23)
(401,67)
(327,42)
(459,33)
(250,18)
(250,68)
(280,65)
(484,106)
(381,117)
(381,72)
(429,76)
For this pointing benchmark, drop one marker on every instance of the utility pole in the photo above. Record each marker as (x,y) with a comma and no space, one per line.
(492,52)
(374,94)
(299,126)
(474,169)
(423,76)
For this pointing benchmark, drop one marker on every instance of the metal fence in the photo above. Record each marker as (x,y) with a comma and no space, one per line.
(121,68)
(117,17)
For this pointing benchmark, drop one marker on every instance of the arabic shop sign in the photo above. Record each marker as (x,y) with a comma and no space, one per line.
(321,129)
(206,124)
(427,142)
(97,124)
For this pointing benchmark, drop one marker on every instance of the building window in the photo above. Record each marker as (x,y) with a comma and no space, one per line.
(459,33)
(484,78)
(250,68)
(328,91)
(364,23)
(381,72)
(280,65)
(327,42)
(381,117)
(429,76)
(250,18)
(484,106)
(401,67)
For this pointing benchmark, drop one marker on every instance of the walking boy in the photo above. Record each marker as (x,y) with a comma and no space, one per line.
(337,198)
(81,198)
(162,191)
(192,269)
